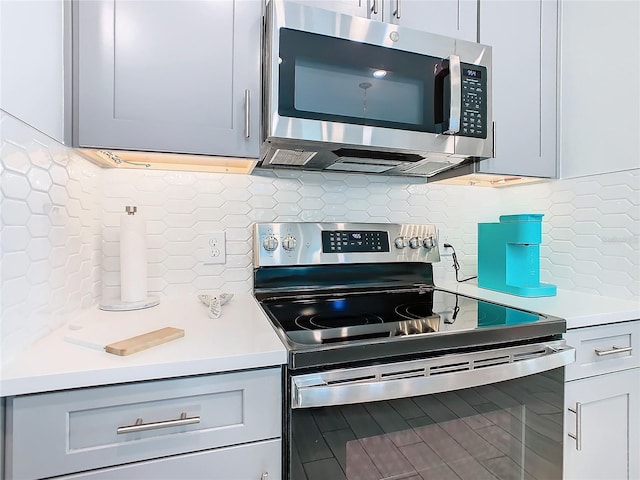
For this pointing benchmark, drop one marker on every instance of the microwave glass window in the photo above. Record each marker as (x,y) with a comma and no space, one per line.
(333,79)
(357,92)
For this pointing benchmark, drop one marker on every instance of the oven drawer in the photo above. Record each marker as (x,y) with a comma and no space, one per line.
(70,431)
(604,349)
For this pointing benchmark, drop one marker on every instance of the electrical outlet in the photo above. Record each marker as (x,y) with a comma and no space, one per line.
(444,251)
(216,248)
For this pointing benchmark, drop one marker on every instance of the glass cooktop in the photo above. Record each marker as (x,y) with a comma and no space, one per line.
(349,317)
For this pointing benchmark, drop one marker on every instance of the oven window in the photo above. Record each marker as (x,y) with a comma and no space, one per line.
(507,430)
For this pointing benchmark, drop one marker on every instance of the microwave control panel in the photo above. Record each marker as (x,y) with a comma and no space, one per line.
(473,115)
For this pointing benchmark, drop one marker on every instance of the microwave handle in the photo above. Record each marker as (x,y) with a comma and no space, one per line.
(455,107)
(448,68)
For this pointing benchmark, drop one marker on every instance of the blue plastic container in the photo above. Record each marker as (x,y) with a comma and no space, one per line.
(509,256)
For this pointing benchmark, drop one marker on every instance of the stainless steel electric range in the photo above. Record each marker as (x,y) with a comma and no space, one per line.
(391,377)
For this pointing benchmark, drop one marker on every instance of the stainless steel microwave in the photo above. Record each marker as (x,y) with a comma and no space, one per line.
(344,93)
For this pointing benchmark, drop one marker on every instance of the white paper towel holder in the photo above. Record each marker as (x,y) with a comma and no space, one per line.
(117,304)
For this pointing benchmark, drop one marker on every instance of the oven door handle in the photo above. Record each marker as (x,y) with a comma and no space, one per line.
(427,376)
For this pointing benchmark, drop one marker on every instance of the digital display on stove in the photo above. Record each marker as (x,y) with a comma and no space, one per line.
(350,241)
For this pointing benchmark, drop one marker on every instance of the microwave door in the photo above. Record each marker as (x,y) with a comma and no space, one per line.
(346,82)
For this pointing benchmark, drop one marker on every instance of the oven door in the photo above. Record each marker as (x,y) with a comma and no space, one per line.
(496,414)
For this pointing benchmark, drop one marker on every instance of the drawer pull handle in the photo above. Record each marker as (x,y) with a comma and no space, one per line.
(578,435)
(601,353)
(142,427)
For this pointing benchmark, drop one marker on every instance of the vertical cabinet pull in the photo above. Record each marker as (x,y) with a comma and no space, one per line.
(494,139)
(264,476)
(374,7)
(396,12)
(247,113)
(578,435)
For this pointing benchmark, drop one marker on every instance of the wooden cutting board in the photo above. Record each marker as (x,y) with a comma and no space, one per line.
(144,341)
(122,340)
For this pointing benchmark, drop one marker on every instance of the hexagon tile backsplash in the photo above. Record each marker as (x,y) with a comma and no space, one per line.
(50,236)
(591,225)
(60,226)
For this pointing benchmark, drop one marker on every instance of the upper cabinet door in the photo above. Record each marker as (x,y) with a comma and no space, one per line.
(600,87)
(453,18)
(523,35)
(357,8)
(179,76)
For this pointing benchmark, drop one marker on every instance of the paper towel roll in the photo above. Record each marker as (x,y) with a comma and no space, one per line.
(133,258)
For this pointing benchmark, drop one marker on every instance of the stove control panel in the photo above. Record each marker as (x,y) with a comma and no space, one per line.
(350,241)
(305,243)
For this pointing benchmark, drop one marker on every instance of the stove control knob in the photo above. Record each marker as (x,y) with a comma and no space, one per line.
(270,243)
(429,242)
(289,243)
(400,242)
(414,242)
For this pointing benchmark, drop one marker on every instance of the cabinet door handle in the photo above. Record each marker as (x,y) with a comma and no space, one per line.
(247,113)
(601,353)
(494,139)
(396,12)
(264,476)
(142,427)
(374,7)
(578,435)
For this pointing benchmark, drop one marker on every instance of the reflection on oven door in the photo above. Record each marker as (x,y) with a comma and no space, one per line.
(508,430)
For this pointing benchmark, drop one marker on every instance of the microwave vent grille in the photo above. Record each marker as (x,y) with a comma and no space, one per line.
(428,168)
(355,166)
(291,157)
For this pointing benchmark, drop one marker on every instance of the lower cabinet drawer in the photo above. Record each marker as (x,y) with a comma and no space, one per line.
(71,431)
(604,349)
(255,461)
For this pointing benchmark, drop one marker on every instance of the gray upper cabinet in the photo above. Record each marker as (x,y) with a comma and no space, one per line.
(179,76)
(599,118)
(453,18)
(523,35)
(348,7)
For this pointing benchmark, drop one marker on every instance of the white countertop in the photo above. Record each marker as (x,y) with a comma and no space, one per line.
(577,308)
(242,338)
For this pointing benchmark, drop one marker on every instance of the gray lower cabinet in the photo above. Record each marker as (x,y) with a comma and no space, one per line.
(602,399)
(209,426)
(256,461)
(523,36)
(168,76)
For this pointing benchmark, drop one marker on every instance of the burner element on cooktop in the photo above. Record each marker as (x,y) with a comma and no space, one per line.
(313,322)
(412,311)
